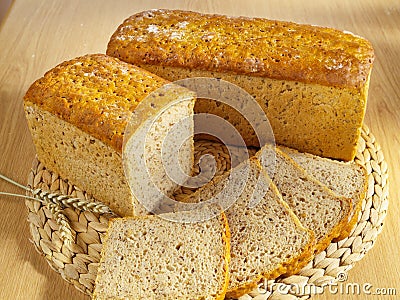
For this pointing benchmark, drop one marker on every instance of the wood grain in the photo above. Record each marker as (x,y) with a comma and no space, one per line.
(37,35)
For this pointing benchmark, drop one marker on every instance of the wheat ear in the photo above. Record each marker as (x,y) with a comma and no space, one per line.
(68,201)
(55,203)
(64,227)
(63,200)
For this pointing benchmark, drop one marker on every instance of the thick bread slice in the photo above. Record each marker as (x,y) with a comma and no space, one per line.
(267,239)
(317,207)
(150,257)
(345,179)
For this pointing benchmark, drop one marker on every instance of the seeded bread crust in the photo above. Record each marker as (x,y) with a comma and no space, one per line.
(84,92)
(252,46)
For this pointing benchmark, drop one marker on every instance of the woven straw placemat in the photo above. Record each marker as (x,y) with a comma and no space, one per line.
(77,262)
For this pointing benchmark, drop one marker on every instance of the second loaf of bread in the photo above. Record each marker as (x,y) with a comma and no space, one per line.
(312,82)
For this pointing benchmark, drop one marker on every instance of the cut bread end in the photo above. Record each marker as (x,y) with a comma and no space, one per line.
(149,257)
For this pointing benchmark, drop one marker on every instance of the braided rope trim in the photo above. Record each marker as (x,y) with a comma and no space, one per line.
(78,262)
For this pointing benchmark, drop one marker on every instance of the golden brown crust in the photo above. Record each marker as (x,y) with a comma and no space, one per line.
(96,93)
(243,289)
(253,46)
(291,108)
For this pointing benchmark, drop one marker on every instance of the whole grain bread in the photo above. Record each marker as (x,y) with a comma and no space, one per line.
(345,179)
(312,82)
(77,114)
(317,207)
(149,257)
(267,239)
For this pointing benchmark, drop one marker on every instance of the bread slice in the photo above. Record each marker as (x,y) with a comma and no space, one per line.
(267,239)
(317,207)
(77,114)
(345,179)
(150,257)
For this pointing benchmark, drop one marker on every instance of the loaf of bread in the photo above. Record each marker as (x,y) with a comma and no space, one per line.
(267,239)
(345,179)
(312,82)
(317,207)
(77,114)
(149,257)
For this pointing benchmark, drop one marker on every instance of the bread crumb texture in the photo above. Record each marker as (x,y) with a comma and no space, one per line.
(81,159)
(152,258)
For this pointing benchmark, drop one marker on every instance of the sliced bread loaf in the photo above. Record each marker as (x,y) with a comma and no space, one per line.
(78,112)
(345,179)
(267,239)
(317,207)
(150,257)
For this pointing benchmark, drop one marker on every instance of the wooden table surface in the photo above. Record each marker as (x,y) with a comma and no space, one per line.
(37,35)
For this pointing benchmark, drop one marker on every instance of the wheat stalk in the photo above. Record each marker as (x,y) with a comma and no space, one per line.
(56,203)
(68,201)
(64,227)
(63,200)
